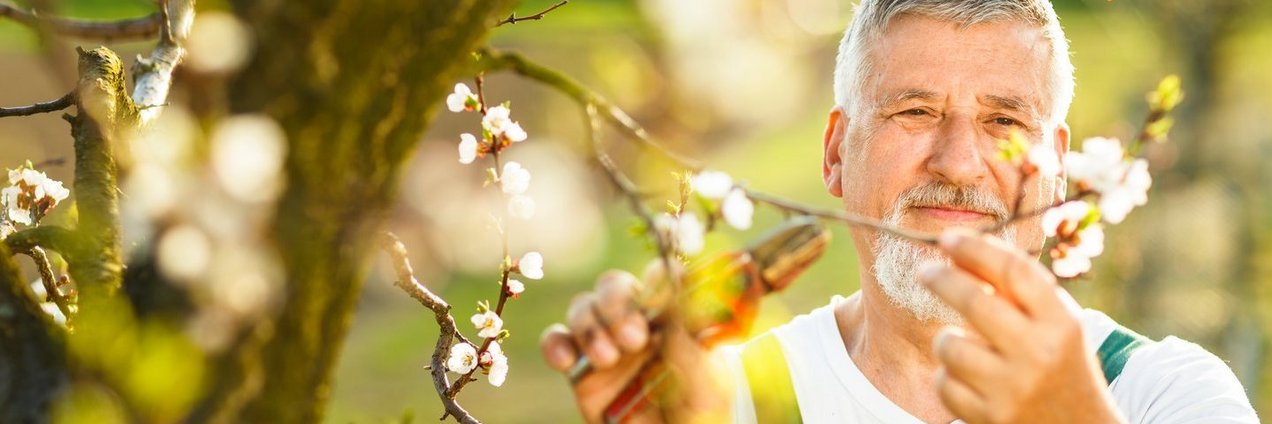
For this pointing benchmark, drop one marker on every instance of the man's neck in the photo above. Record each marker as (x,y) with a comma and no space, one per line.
(893,350)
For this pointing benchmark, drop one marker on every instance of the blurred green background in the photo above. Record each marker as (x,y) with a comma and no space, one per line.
(745,86)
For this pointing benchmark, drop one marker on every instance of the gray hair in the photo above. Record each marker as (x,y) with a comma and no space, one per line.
(871,19)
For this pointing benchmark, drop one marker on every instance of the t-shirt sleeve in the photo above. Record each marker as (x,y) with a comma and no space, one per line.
(743,406)
(1175,381)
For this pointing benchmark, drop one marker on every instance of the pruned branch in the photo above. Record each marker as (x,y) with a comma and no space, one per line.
(135,28)
(445,322)
(153,76)
(512,18)
(50,106)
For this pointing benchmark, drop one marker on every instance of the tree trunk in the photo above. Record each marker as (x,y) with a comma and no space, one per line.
(353,83)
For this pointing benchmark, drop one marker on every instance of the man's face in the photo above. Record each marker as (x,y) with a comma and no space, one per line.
(920,150)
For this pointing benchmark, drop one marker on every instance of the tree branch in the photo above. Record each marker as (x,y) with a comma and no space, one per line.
(51,106)
(847,218)
(497,60)
(135,28)
(445,322)
(512,19)
(153,76)
(50,282)
(106,115)
(493,60)
(58,239)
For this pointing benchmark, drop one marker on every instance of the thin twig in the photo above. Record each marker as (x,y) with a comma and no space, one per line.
(512,19)
(850,219)
(135,28)
(496,145)
(445,322)
(626,187)
(47,278)
(499,60)
(604,109)
(51,106)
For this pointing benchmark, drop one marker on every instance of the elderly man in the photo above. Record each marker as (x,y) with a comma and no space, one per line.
(971,329)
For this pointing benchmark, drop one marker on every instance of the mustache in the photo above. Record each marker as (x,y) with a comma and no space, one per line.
(944,195)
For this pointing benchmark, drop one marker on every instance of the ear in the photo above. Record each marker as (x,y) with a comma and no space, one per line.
(1062,145)
(832,141)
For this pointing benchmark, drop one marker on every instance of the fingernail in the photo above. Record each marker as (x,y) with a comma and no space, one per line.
(633,336)
(929,271)
(604,352)
(949,239)
(943,335)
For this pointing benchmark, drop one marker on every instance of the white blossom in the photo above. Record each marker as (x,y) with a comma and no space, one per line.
(1097,164)
(514,179)
(1075,259)
(685,232)
(515,286)
(531,265)
(521,206)
(9,197)
(711,184)
(463,358)
(1077,241)
(689,234)
(488,323)
(1064,219)
(30,195)
(514,133)
(500,125)
(494,358)
(5,230)
(1100,167)
(462,99)
(1044,158)
(737,209)
(467,148)
(1130,191)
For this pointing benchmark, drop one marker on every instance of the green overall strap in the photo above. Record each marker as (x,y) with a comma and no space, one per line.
(770,381)
(1117,349)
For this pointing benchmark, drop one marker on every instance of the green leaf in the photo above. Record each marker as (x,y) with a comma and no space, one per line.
(1158,129)
(1167,95)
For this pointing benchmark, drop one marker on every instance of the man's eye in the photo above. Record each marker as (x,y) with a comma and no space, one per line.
(915,112)
(1006,122)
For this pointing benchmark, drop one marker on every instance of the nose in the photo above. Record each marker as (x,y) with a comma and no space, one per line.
(956,156)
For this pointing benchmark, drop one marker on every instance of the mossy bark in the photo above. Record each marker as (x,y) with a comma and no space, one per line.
(353,83)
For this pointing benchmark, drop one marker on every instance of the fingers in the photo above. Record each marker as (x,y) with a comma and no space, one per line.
(557,346)
(959,398)
(588,333)
(1017,276)
(969,361)
(992,316)
(616,307)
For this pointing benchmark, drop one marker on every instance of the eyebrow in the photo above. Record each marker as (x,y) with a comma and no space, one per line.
(1012,103)
(905,95)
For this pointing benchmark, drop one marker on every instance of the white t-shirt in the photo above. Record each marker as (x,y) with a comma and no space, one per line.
(1170,381)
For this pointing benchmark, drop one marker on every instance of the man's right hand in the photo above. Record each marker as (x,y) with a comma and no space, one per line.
(610,328)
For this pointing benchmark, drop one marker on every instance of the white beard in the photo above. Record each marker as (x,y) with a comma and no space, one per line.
(896,266)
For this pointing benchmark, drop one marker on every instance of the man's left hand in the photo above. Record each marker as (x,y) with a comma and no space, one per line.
(1027,361)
